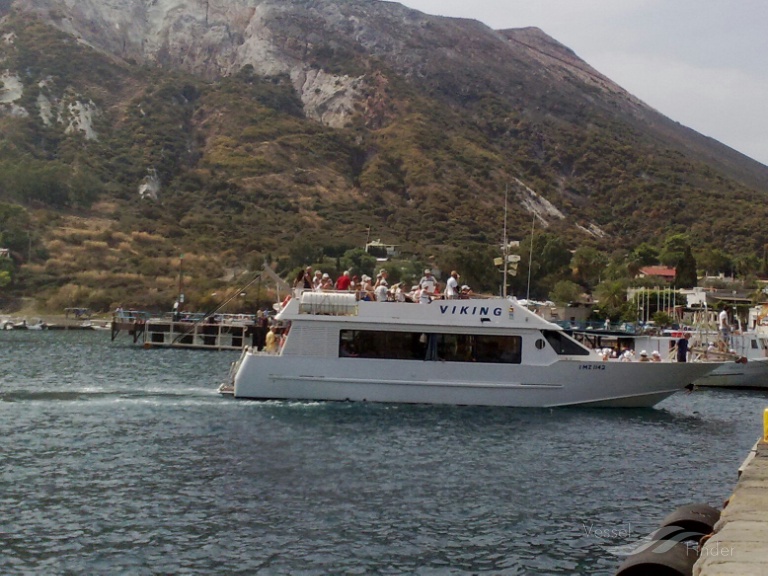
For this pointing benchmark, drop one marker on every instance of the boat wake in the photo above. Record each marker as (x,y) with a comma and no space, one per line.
(93,394)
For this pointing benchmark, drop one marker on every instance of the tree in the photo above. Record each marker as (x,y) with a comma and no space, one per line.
(714,261)
(548,259)
(612,298)
(685,272)
(674,249)
(747,265)
(662,319)
(475,265)
(646,254)
(588,264)
(358,261)
(565,292)
(15,224)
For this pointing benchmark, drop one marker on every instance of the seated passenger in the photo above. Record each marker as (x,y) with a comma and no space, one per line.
(366,289)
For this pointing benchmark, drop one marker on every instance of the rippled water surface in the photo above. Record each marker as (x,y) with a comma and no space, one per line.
(115,459)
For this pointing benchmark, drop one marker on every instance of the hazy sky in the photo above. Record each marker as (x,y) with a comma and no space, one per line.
(703,63)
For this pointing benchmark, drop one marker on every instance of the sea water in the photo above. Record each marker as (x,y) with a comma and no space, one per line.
(120,460)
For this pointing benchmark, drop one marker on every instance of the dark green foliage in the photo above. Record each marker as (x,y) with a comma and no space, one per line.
(685,273)
(15,228)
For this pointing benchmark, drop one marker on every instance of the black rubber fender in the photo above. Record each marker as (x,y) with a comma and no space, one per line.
(693,521)
(664,558)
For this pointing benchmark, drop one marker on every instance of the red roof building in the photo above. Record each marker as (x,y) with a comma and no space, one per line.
(660,271)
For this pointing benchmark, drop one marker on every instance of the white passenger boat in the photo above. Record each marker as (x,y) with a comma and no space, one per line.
(491,352)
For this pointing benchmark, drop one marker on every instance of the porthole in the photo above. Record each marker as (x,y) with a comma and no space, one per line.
(540,343)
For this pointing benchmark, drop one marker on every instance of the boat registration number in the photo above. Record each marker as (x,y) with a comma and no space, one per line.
(592,367)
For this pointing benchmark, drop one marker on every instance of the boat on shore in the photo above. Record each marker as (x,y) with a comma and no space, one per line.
(487,352)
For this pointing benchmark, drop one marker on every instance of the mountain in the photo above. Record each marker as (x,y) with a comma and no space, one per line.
(231,131)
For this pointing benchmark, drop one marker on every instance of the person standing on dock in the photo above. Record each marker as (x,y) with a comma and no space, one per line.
(682,348)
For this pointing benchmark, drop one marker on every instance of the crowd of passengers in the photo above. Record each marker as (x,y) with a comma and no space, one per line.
(366,288)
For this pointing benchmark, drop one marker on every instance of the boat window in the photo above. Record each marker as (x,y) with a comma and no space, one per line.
(424,346)
(754,345)
(381,344)
(564,345)
(500,349)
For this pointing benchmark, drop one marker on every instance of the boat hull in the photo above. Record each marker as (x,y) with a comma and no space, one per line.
(752,374)
(562,383)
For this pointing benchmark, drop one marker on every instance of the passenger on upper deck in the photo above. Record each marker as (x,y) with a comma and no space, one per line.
(303,280)
(381,288)
(366,289)
(398,292)
(317,281)
(326,284)
(427,286)
(343,282)
(452,286)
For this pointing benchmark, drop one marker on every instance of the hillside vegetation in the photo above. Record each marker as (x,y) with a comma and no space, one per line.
(234,173)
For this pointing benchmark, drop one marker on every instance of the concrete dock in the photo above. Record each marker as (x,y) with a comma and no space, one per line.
(739,546)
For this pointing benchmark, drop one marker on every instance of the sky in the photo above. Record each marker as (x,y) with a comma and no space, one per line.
(702,63)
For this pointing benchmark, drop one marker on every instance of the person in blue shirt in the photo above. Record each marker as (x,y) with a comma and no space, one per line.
(682,348)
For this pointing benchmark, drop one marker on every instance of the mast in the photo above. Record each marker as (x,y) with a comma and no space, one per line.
(505,243)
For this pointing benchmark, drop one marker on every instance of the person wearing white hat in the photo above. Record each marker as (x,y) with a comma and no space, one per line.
(366,290)
(644,356)
(655,356)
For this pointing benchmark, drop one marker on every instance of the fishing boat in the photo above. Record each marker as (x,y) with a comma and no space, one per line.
(489,352)
(743,361)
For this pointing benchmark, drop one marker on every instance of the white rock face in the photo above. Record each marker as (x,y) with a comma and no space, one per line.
(150,185)
(12,88)
(327,98)
(210,38)
(78,117)
(536,204)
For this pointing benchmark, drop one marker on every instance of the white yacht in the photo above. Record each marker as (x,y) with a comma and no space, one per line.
(491,352)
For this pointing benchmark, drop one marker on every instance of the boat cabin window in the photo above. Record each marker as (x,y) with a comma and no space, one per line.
(430,346)
(564,345)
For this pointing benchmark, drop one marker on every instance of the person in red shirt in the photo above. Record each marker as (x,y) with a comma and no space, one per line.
(343,282)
